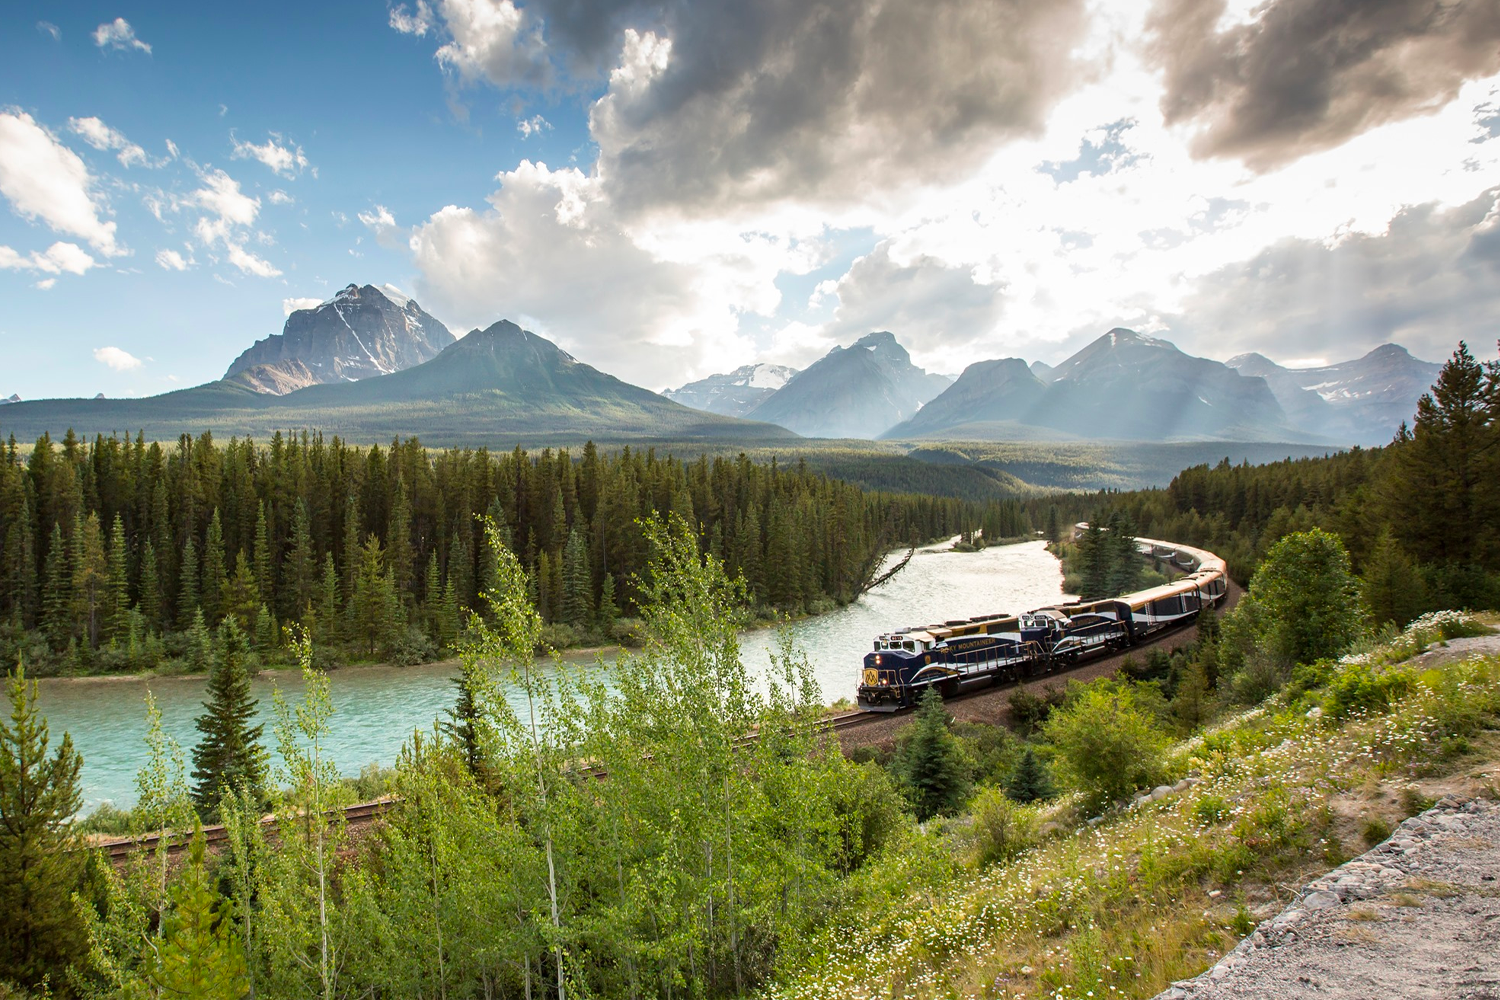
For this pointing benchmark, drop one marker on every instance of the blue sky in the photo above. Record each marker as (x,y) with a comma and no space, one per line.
(671,190)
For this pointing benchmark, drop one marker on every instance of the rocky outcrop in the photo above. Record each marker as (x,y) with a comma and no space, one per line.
(359,333)
(736,393)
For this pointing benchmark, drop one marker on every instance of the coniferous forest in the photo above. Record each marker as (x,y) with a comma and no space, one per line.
(117,554)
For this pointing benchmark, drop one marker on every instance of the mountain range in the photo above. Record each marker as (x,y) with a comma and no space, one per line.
(858,391)
(370,364)
(736,393)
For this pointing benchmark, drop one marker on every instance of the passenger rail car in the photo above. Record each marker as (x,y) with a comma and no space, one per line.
(957,655)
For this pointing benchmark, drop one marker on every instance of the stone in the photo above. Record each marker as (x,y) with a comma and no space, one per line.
(1320,900)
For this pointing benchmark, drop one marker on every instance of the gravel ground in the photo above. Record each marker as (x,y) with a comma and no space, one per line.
(992,705)
(1418,917)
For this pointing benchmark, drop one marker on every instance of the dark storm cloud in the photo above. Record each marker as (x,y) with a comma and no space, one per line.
(830,99)
(1432,279)
(1310,74)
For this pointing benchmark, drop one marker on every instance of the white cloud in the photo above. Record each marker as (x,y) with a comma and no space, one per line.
(529,127)
(59,258)
(171,260)
(279,197)
(649,313)
(283,157)
(289,306)
(417,22)
(43,179)
(45,284)
(380,218)
(118,34)
(102,137)
(493,39)
(113,357)
(48,28)
(249,263)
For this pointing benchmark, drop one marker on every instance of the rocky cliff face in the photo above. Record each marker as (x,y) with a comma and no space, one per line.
(360,332)
(987,393)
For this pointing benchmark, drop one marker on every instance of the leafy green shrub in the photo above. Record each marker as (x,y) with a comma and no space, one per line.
(1358,688)
(1107,745)
(1028,710)
(1211,809)
(1002,828)
(412,648)
(867,805)
(107,820)
(993,749)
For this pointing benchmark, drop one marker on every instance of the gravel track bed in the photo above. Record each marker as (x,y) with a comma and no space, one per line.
(1416,917)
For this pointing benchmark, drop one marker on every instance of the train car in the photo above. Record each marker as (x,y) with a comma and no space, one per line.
(965,653)
(955,656)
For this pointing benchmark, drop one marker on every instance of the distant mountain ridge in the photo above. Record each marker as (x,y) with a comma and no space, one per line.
(361,332)
(1363,400)
(855,392)
(499,386)
(736,393)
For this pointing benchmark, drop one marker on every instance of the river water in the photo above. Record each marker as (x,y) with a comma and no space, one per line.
(376,708)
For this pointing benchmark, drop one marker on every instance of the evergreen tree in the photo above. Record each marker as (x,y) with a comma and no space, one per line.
(328,602)
(117,599)
(57,592)
(188,603)
(578,582)
(241,599)
(375,605)
(40,929)
(20,558)
(90,577)
(229,756)
(933,770)
(1391,586)
(399,555)
(608,610)
(300,575)
(150,588)
(1029,781)
(200,643)
(211,586)
(1053,531)
(265,567)
(198,956)
(1095,555)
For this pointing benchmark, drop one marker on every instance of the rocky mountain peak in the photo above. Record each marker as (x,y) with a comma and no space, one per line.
(360,332)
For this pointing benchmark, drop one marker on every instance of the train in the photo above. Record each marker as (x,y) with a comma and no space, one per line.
(959,655)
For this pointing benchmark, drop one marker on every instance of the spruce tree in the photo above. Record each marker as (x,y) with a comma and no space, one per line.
(229,756)
(198,955)
(932,767)
(265,568)
(211,587)
(399,555)
(241,599)
(41,933)
(57,592)
(117,597)
(1029,781)
(188,604)
(150,587)
(90,566)
(1390,584)
(578,581)
(300,572)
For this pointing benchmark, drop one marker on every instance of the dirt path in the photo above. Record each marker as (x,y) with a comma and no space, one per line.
(992,705)
(1418,917)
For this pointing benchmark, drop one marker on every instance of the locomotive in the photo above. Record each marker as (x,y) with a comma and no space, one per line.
(962,654)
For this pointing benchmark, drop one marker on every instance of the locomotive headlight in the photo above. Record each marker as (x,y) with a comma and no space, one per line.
(877,659)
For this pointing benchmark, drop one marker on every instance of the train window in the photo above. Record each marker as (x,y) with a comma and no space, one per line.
(909,646)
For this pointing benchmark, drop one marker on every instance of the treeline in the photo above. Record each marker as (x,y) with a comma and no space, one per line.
(116,553)
(1418,516)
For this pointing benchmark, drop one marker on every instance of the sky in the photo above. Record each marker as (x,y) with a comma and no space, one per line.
(670,189)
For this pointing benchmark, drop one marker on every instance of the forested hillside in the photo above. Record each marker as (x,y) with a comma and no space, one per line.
(115,553)
(1419,516)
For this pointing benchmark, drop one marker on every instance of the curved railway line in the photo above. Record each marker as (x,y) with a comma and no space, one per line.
(988,704)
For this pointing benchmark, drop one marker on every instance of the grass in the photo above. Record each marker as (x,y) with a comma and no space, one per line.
(1153,893)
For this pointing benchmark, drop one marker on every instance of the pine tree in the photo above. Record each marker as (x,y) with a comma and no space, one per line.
(188,603)
(265,568)
(200,643)
(300,575)
(578,582)
(198,955)
(1053,530)
(328,602)
(41,933)
(211,586)
(57,592)
(399,555)
(375,605)
(1029,781)
(241,599)
(1391,587)
(117,593)
(608,610)
(150,587)
(229,756)
(932,766)
(351,548)
(90,577)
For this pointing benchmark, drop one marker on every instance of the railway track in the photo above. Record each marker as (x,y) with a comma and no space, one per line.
(360,814)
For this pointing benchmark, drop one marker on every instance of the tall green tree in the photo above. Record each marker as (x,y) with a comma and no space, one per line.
(90,565)
(198,955)
(932,767)
(1391,584)
(229,756)
(117,589)
(41,932)
(211,586)
(57,592)
(578,582)
(1305,599)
